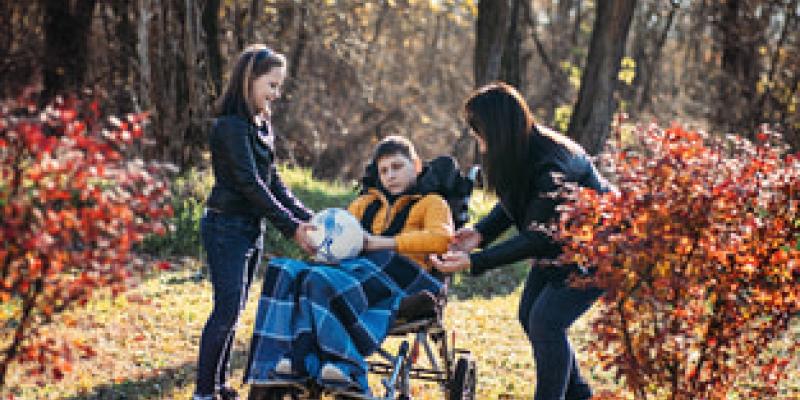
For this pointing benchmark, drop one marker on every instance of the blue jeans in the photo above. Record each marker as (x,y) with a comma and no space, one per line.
(233,246)
(547,309)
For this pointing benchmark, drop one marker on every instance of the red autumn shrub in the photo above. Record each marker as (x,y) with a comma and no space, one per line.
(699,254)
(72,205)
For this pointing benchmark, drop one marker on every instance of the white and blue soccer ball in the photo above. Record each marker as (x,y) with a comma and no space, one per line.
(338,236)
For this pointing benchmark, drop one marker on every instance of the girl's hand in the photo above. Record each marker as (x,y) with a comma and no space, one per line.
(466,240)
(302,238)
(452,261)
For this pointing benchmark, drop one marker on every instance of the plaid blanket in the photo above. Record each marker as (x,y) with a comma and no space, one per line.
(335,315)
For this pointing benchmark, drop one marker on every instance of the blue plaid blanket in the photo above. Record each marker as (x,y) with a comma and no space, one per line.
(318,314)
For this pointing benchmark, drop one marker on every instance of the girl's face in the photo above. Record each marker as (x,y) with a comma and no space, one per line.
(397,173)
(266,89)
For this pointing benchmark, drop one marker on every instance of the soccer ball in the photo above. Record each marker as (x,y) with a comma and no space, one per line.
(338,236)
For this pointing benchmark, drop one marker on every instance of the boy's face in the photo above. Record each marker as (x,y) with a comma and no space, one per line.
(396,172)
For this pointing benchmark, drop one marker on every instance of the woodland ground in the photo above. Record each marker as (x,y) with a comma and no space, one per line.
(146,339)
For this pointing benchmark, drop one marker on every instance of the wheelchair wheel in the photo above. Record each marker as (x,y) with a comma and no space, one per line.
(462,383)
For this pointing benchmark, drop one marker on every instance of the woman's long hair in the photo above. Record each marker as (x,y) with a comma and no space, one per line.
(515,147)
(254,61)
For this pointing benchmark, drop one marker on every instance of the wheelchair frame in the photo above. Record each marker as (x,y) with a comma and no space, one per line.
(452,368)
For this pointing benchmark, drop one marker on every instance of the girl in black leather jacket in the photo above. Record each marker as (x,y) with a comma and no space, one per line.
(246,189)
(523,163)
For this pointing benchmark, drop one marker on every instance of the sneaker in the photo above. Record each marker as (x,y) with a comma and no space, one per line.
(332,374)
(227,393)
(418,306)
(284,367)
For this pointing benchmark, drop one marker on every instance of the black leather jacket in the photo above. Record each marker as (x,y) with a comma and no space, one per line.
(575,166)
(245,179)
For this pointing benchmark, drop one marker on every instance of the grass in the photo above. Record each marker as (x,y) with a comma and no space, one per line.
(146,340)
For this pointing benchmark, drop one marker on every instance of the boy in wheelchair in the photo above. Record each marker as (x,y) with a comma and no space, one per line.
(315,323)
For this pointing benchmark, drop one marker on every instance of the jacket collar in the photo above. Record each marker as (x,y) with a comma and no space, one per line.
(401,198)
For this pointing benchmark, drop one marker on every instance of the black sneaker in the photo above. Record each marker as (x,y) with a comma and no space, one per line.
(228,393)
(420,305)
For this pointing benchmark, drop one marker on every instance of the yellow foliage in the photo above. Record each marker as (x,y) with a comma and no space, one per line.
(563,114)
(627,70)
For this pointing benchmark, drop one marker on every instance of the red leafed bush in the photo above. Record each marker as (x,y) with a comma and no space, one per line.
(699,254)
(72,205)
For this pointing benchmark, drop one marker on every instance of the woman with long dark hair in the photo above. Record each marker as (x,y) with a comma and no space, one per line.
(247,190)
(524,164)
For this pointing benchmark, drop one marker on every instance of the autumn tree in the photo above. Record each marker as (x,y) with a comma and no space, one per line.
(72,207)
(699,252)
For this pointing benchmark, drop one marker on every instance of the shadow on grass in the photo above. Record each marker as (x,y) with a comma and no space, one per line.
(161,385)
(499,282)
(194,277)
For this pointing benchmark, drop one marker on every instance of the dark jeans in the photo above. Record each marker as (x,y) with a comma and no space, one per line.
(233,246)
(547,309)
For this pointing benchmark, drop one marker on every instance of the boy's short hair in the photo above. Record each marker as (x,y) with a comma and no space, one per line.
(391,145)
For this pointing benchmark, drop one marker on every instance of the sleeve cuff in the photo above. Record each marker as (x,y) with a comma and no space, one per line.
(477,264)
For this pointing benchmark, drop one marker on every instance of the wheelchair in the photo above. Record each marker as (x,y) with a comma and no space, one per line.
(427,351)
(451,367)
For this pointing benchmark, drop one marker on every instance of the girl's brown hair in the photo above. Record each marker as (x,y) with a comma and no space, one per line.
(254,61)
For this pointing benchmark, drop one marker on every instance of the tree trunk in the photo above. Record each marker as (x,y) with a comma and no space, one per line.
(385,8)
(432,74)
(125,36)
(739,66)
(490,35)
(256,7)
(142,51)
(296,58)
(66,30)
(558,84)
(576,27)
(491,32)
(651,66)
(282,111)
(591,117)
(211,28)
(511,61)
(238,26)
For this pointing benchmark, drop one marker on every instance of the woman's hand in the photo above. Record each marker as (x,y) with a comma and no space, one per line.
(466,240)
(452,261)
(302,238)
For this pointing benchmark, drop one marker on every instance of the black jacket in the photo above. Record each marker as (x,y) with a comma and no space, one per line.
(570,166)
(245,179)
